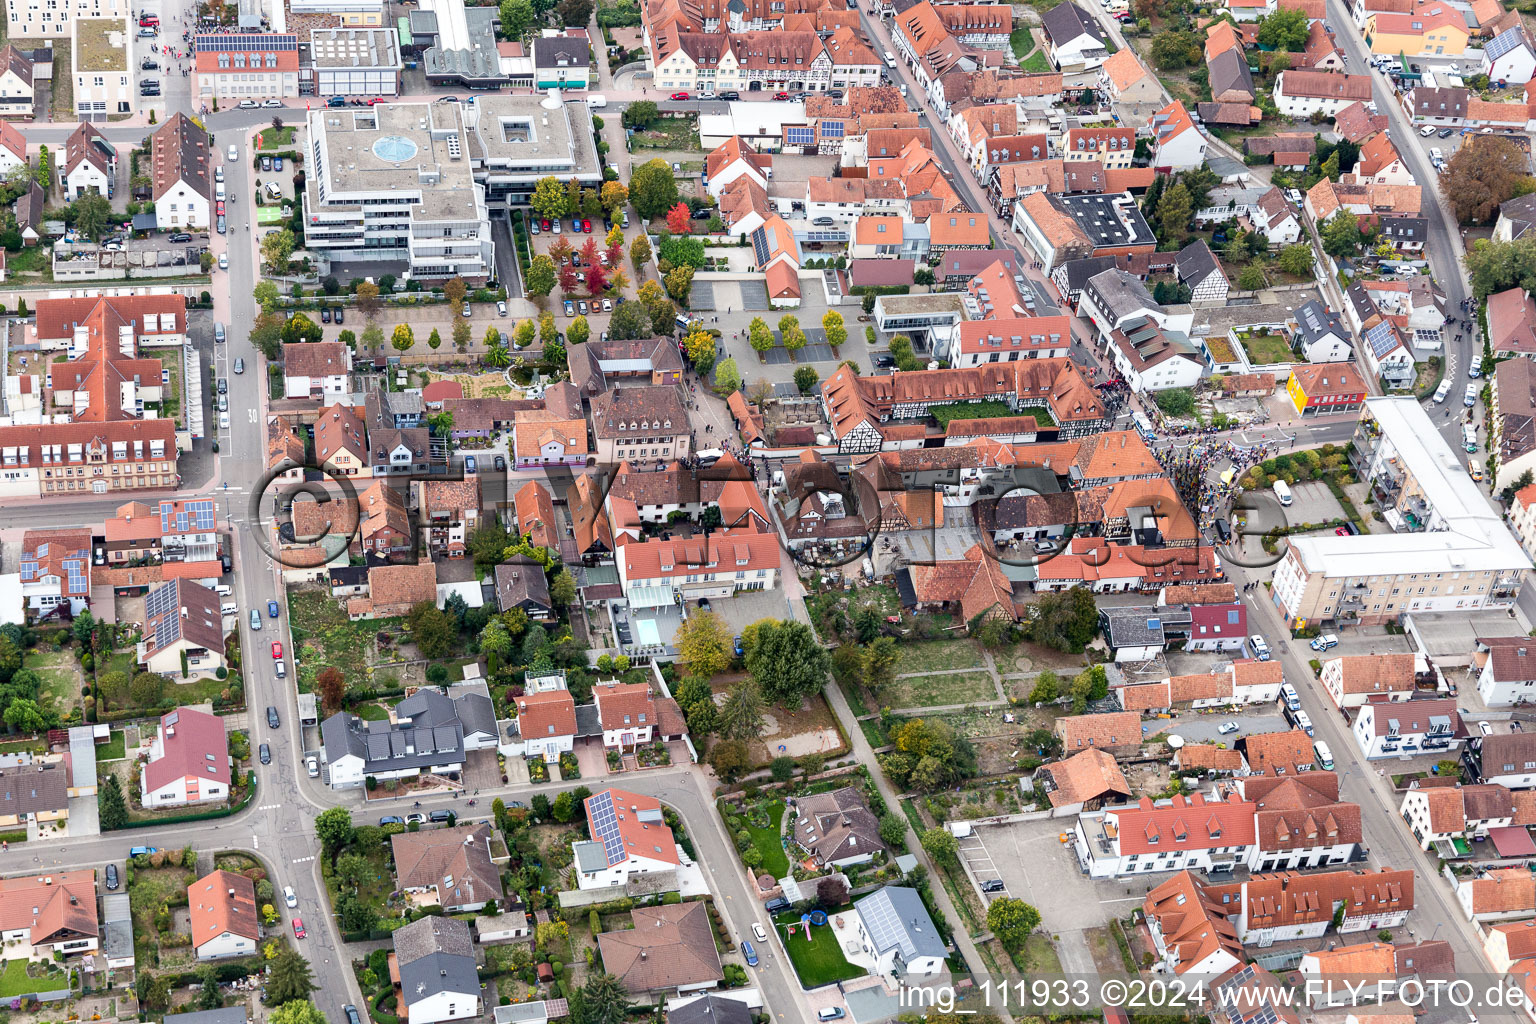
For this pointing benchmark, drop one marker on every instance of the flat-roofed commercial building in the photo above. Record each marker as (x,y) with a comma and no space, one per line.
(392,182)
(354,62)
(1451,550)
(516,140)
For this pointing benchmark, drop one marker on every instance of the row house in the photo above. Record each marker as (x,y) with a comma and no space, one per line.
(1300,93)
(396,451)
(450,514)
(1035,95)
(745,61)
(663,573)
(1508,676)
(55,570)
(1379,164)
(1107,568)
(1353,680)
(88,458)
(1444,814)
(976,342)
(1199,928)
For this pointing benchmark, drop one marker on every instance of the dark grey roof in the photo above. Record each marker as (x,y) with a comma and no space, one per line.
(29,206)
(436,955)
(561,51)
(1314,322)
(1066,22)
(1521,211)
(385,747)
(587,721)
(349,575)
(1196,262)
(895,918)
(522,582)
(1109,221)
(476,714)
(403,403)
(1132,627)
(1405,229)
(711,1009)
(232,1015)
(1228,70)
(1119,293)
(1078,272)
(1360,301)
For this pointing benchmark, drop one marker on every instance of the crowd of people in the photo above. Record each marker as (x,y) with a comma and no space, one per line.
(1198,474)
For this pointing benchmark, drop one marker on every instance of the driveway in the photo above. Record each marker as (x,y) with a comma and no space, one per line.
(1197,728)
(591,758)
(481,771)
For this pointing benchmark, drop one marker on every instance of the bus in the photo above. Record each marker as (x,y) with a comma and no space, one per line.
(1144,427)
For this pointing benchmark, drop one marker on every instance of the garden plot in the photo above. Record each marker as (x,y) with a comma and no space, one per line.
(810,730)
(1000,745)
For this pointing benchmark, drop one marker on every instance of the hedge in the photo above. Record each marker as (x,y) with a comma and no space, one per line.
(880,289)
(224,970)
(13,837)
(179,819)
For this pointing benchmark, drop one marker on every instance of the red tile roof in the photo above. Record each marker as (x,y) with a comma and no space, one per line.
(222,902)
(551,713)
(1184,823)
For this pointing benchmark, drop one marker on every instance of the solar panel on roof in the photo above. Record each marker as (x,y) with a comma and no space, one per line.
(604,823)
(279,43)
(1382,339)
(1502,43)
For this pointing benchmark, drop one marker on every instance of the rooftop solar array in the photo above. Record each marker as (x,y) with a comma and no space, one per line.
(247,42)
(192,516)
(1382,339)
(162,603)
(603,819)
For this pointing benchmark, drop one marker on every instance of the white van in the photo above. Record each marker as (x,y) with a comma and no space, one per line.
(1291,698)
(1303,722)
(1325,642)
(223,590)
(229,608)
(282,669)
(274,190)
(1283,492)
(1324,755)
(1443,391)
(596,102)
(218,189)
(1260,647)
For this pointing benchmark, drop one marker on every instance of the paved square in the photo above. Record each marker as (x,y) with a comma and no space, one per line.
(1313,502)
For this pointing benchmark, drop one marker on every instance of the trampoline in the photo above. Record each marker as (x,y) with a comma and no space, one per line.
(818,917)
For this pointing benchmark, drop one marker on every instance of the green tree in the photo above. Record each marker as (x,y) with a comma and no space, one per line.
(403,337)
(562,589)
(277,250)
(893,831)
(1176,401)
(525,333)
(265,294)
(1174,50)
(1046,689)
(516,16)
(786,660)
(209,997)
(760,336)
(791,334)
(112,810)
(333,827)
(300,328)
(806,378)
(880,660)
(782,769)
(1251,279)
(462,333)
(564,808)
(92,213)
(540,279)
(25,715)
(1063,621)
(1173,212)
(373,338)
(577,331)
(431,630)
(652,188)
(289,981)
(943,847)
(604,1000)
(1285,29)
(741,716)
(549,331)
(727,376)
(146,689)
(1341,235)
(1012,920)
(1296,260)
(641,114)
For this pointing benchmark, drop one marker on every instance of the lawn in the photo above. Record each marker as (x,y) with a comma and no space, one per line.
(936,690)
(33,260)
(323,636)
(1041,414)
(115,749)
(150,889)
(988,409)
(818,960)
(673,133)
(1265,349)
(768,843)
(277,139)
(372,713)
(1037,62)
(939,654)
(15,981)
(1022,43)
(377,884)
(170,394)
(61,678)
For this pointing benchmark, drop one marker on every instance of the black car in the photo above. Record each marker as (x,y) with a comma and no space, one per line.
(325,314)
(884,362)
(349,1009)
(266,754)
(501,464)
(440,815)
(111,876)
(272,719)
(180,236)
(336,314)
(992,885)
(703,213)
(730,94)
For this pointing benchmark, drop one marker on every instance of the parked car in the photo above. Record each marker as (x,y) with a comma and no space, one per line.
(415,819)
(501,464)
(759,931)
(391,819)
(266,753)
(1446,133)
(111,876)
(749,953)
(440,815)
(470,465)
(256,619)
(992,885)
(272,609)
(277,649)
(781,95)
(501,309)
(272,720)
(290,897)
(678,96)
(248,104)
(223,385)
(277,163)
(266,164)
(586,227)
(239,364)
(730,94)
(338,316)
(272,104)
(570,308)
(312,766)
(466,309)
(351,1012)
(325,314)
(1226,728)
(179,236)
(223,261)
(607,305)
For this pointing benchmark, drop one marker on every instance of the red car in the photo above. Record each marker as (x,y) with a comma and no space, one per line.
(298,928)
(376,99)
(586,227)
(220,209)
(544,224)
(277,651)
(781,95)
(1340,531)
(680,96)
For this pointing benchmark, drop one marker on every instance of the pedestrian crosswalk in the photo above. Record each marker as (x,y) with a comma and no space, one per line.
(303,860)
(269,807)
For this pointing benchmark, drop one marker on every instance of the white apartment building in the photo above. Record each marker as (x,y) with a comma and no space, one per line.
(53,19)
(393,182)
(1451,550)
(103,78)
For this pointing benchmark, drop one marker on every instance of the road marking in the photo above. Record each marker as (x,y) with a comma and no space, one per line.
(270,807)
(304,860)
(255,841)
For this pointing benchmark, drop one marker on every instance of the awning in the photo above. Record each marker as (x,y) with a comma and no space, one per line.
(1514,841)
